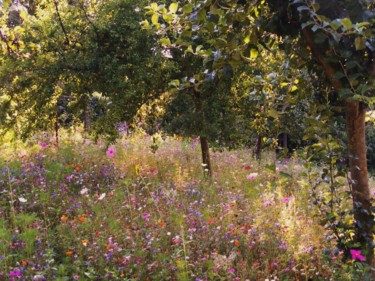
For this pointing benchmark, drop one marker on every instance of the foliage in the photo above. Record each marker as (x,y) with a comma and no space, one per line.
(58,58)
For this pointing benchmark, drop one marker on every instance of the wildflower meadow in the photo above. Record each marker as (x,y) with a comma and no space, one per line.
(87,211)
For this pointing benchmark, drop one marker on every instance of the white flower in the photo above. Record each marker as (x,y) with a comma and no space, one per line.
(22,200)
(84,190)
(101,196)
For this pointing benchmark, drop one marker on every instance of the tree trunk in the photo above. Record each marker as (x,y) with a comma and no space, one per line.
(57,129)
(258,148)
(86,119)
(285,141)
(206,156)
(355,126)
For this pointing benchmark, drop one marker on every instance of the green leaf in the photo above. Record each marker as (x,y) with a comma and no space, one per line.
(360,43)
(346,23)
(315,6)
(168,18)
(189,50)
(154,6)
(23,14)
(165,41)
(284,84)
(294,88)
(155,19)
(174,83)
(173,8)
(254,53)
(145,24)
(202,14)
(286,175)
(188,8)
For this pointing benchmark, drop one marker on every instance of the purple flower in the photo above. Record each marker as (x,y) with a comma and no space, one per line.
(110,152)
(356,255)
(146,216)
(43,144)
(15,273)
(232,271)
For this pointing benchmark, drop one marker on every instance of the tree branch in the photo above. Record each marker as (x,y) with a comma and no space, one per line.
(61,23)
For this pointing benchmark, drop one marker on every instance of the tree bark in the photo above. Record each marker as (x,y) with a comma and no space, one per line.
(258,148)
(86,119)
(356,128)
(206,156)
(285,141)
(57,130)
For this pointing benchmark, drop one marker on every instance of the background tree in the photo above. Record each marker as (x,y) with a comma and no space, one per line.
(339,35)
(68,51)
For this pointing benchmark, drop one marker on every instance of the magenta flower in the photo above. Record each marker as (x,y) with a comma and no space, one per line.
(247,168)
(15,273)
(356,255)
(110,152)
(43,144)
(232,271)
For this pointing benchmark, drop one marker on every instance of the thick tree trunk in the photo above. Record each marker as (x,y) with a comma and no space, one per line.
(355,126)
(206,156)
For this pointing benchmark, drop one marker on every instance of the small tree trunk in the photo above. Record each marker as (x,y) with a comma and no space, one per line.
(206,156)
(57,130)
(86,119)
(355,125)
(258,148)
(285,141)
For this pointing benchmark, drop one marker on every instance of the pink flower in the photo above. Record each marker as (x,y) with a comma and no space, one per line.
(356,255)
(232,271)
(146,216)
(286,199)
(252,176)
(247,168)
(43,144)
(110,152)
